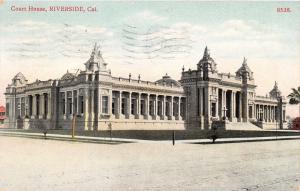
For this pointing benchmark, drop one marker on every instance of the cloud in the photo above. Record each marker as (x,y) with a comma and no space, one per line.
(148,16)
(31,39)
(149,42)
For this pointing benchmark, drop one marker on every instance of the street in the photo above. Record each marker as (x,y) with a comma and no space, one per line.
(37,164)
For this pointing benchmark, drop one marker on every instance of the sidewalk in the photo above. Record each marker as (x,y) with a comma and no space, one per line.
(106,140)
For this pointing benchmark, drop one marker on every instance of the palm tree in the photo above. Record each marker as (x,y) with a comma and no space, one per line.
(295,97)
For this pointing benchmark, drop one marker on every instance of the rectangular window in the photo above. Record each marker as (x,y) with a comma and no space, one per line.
(159,107)
(81,104)
(167,108)
(151,107)
(142,107)
(174,109)
(213,109)
(30,105)
(113,106)
(90,77)
(104,104)
(75,101)
(45,105)
(250,112)
(70,106)
(132,106)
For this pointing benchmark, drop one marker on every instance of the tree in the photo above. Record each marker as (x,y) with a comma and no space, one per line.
(295,97)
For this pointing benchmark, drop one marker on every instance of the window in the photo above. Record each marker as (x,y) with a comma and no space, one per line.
(90,77)
(63,103)
(113,106)
(81,104)
(70,106)
(159,107)
(75,101)
(213,109)
(174,109)
(151,107)
(45,105)
(250,112)
(30,105)
(104,104)
(167,113)
(142,107)
(132,106)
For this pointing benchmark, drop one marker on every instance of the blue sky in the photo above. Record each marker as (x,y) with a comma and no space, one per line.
(157,37)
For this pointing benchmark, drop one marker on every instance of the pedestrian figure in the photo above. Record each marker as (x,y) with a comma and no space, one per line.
(214,135)
(173,137)
(45,132)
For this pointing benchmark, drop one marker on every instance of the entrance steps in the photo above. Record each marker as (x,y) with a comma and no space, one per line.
(242,126)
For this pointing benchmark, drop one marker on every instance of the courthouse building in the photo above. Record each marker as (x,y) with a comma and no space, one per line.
(94,99)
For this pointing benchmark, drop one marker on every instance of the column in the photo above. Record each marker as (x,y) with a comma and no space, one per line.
(119,106)
(263,113)
(33,106)
(240,107)
(201,104)
(257,111)
(138,106)
(26,106)
(78,102)
(155,106)
(128,108)
(109,102)
(19,106)
(231,108)
(66,104)
(92,114)
(41,102)
(207,108)
(178,109)
(92,103)
(234,105)
(86,108)
(72,103)
(171,108)
(245,106)
(224,114)
(269,114)
(217,103)
(147,102)
(163,107)
(274,114)
(49,106)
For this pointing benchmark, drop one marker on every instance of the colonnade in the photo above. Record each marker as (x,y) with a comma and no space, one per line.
(35,106)
(122,105)
(267,113)
(137,105)
(222,103)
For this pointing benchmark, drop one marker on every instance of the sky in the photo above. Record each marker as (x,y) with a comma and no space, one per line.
(152,39)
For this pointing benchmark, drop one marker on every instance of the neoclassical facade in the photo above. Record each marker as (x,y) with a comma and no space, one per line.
(93,99)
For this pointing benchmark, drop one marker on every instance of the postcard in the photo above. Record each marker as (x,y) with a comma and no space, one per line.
(149,95)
